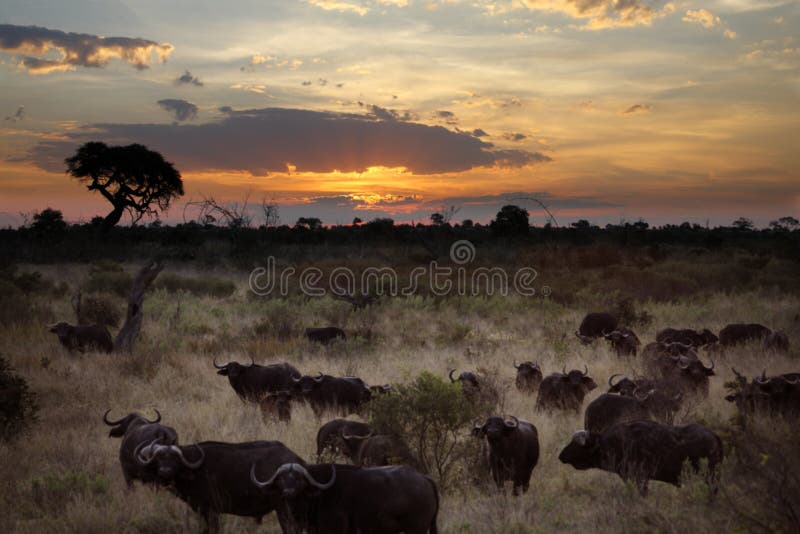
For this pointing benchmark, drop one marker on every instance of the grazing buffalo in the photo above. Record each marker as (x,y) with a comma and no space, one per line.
(778,395)
(663,398)
(135,430)
(529,376)
(213,477)
(595,325)
(325,335)
(624,341)
(734,334)
(277,405)
(644,450)
(777,342)
(344,395)
(345,498)
(513,450)
(608,410)
(329,437)
(252,382)
(83,338)
(564,391)
(378,450)
(687,336)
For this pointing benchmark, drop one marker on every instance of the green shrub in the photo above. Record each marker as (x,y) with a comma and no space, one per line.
(54,491)
(118,283)
(431,416)
(99,309)
(18,405)
(203,286)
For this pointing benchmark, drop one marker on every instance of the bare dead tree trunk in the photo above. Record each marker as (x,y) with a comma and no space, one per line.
(133,320)
(76,305)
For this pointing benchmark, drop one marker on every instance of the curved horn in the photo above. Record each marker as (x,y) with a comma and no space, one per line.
(763,378)
(515,424)
(712,365)
(737,373)
(313,482)
(252,362)
(219,366)
(111,423)
(278,471)
(477,428)
(348,436)
(187,463)
(644,397)
(793,382)
(137,453)
(564,369)
(296,380)
(515,365)
(585,370)
(683,363)
(450,374)
(611,378)
(156,420)
(318,378)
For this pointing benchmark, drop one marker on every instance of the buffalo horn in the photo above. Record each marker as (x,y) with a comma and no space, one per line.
(187,463)
(157,419)
(515,365)
(763,378)
(219,366)
(450,374)
(611,378)
(141,459)
(111,423)
(514,423)
(354,436)
(252,362)
(585,370)
(318,378)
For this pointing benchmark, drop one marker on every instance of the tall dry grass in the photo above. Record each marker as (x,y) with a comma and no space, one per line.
(63,475)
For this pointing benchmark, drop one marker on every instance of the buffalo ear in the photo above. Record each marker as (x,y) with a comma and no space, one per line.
(588,383)
(117,432)
(730,398)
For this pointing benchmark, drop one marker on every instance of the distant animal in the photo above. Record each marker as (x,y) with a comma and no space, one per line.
(778,395)
(689,374)
(687,336)
(624,341)
(329,437)
(468,380)
(735,334)
(564,391)
(776,341)
(641,451)
(346,498)
(252,382)
(663,398)
(325,335)
(659,358)
(277,405)
(529,376)
(595,325)
(608,410)
(344,395)
(213,477)
(513,450)
(83,338)
(135,430)
(377,450)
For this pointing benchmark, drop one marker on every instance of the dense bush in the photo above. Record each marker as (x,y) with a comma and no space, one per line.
(18,405)
(109,276)
(204,286)
(99,309)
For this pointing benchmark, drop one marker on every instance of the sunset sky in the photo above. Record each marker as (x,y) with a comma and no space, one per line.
(601,109)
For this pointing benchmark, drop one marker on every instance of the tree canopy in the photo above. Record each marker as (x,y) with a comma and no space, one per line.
(132,178)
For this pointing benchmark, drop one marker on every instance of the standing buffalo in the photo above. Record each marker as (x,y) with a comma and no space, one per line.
(135,430)
(658,359)
(624,341)
(529,376)
(252,382)
(778,395)
(277,405)
(643,450)
(662,398)
(734,334)
(690,374)
(83,338)
(687,337)
(513,450)
(564,391)
(213,477)
(468,380)
(595,325)
(345,395)
(375,451)
(608,410)
(329,437)
(325,335)
(345,498)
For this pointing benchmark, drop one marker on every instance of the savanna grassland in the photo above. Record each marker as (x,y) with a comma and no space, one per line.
(62,473)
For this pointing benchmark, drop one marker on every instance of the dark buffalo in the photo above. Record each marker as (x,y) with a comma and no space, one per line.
(345,395)
(135,430)
(513,450)
(252,382)
(375,451)
(595,325)
(690,375)
(776,341)
(345,498)
(564,391)
(608,410)
(325,335)
(277,405)
(734,334)
(644,450)
(778,395)
(663,398)
(624,341)
(658,359)
(329,437)
(468,380)
(687,336)
(529,376)
(83,338)
(213,477)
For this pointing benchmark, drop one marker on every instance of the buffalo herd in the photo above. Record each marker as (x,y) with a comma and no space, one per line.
(628,430)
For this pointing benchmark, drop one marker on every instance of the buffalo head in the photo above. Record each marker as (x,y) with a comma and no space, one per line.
(169,460)
(307,384)
(292,480)
(495,428)
(579,379)
(583,452)
(120,426)
(232,369)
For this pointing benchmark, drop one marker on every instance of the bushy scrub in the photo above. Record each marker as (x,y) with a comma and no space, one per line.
(99,309)
(18,405)
(202,286)
(108,276)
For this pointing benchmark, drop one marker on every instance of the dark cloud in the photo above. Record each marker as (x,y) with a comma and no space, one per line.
(306,83)
(447,116)
(188,79)
(385,114)
(322,82)
(339,85)
(180,109)
(18,116)
(75,49)
(478,132)
(514,136)
(225,109)
(264,141)
(638,108)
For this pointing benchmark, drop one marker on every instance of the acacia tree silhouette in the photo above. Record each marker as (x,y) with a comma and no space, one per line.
(131,178)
